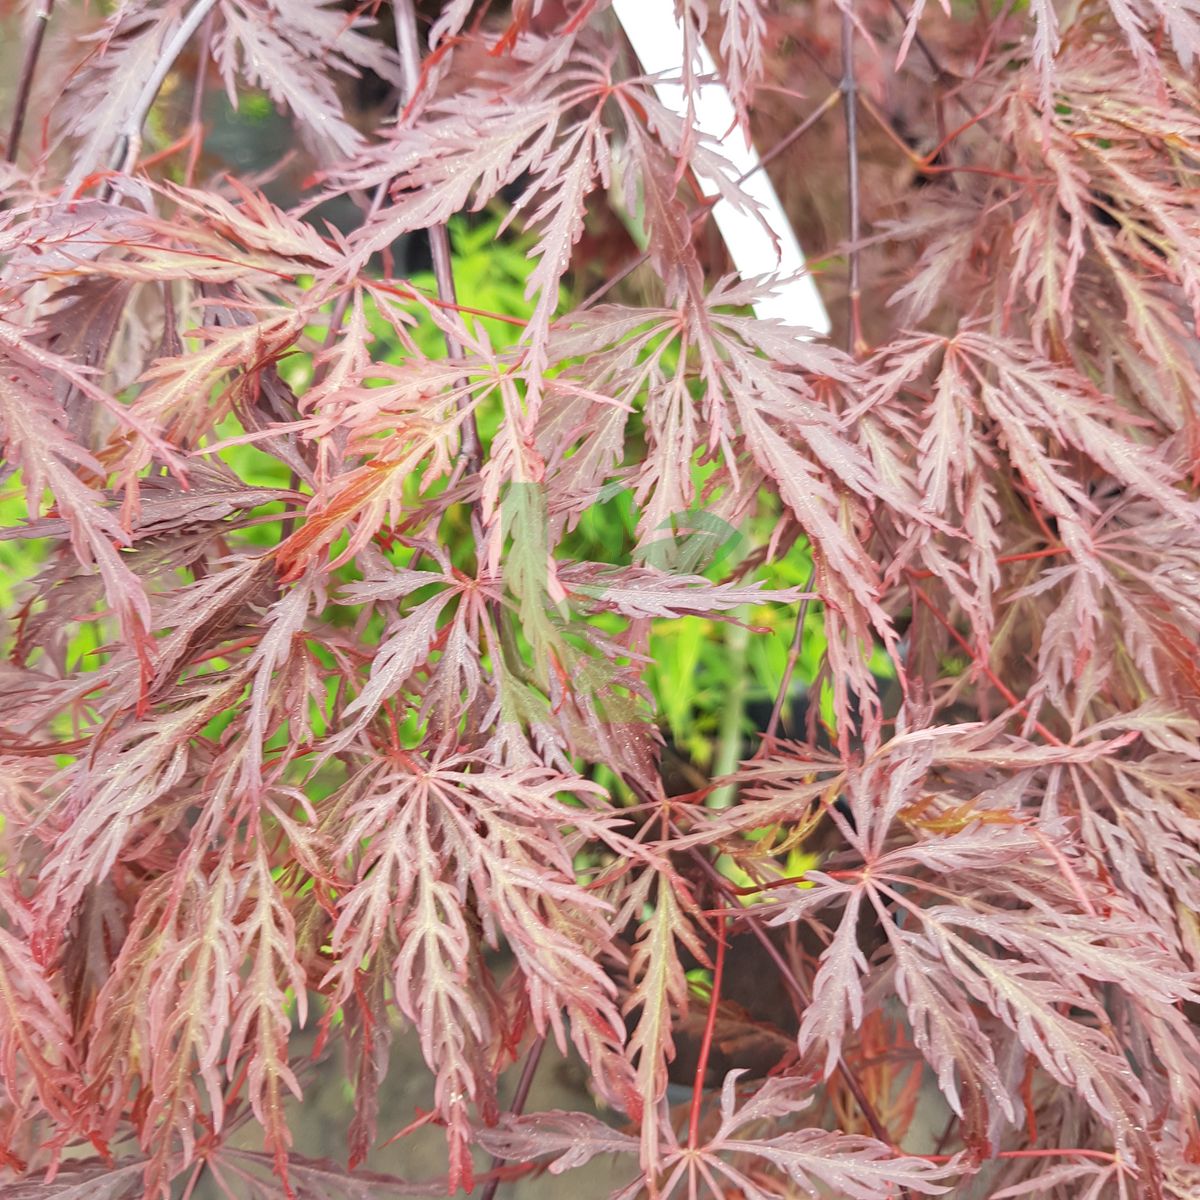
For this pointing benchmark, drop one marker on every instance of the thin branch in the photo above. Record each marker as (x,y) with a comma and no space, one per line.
(439,239)
(921,44)
(802,995)
(785,143)
(793,657)
(702,213)
(25,84)
(130,140)
(528,1071)
(710,1025)
(196,125)
(517,1107)
(850,92)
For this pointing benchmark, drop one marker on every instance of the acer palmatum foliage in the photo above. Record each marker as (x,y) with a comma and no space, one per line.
(316,711)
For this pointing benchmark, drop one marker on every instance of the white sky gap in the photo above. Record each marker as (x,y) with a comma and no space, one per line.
(657,38)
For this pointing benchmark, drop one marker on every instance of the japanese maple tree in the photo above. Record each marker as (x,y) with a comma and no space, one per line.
(324,710)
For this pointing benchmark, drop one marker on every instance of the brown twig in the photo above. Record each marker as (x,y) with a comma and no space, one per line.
(921,44)
(800,993)
(196,124)
(785,143)
(25,84)
(793,657)
(439,239)
(517,1107)
(849,85)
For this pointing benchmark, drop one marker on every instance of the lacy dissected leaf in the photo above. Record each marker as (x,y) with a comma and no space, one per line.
(990,396)
(33,424)
(837,1000)
(761,394)
(1136,19)
(283,682)
(409,640)
(123,55)
(288,49)
(260,1021)
(210,222)
(369,1035)
(858,1167)
(659,995)
(177,394)
(569,1139)
(162,1016)
(335,599)
(742,38)
(638,592)
(89,1179)
(35,1047)
(513,122)
(1106,213)
(411,421)
(809,1159)
(435,830)
(108,796)
(1020,948)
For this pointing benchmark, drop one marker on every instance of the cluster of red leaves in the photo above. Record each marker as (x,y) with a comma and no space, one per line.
(352,770)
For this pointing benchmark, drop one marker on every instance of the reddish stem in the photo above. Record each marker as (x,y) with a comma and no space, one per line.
(516,1108)
(1007,559)
(1050,1152)
(803,996)
(1013,699)
(710,1026)
(793,657)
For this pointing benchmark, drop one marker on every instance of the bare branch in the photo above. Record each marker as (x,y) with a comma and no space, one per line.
(790,669)
(855,341)
(129,142)
(25,84)
(517,1107)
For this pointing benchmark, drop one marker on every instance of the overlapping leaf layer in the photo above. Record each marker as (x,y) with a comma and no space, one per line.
(323,709)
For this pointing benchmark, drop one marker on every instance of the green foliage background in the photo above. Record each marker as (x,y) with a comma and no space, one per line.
(704,675)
